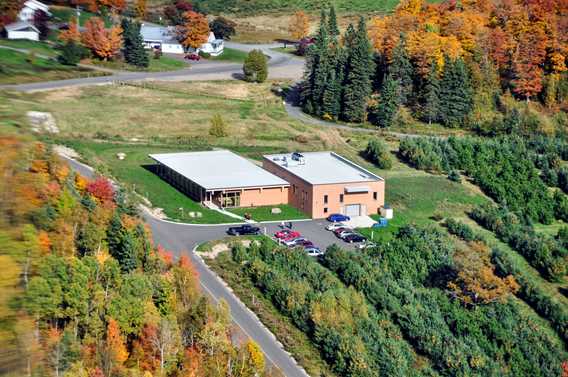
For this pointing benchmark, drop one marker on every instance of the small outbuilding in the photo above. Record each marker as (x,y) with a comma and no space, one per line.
(161,38)
(213,46)
(30,8)
(22,30)
(222,178)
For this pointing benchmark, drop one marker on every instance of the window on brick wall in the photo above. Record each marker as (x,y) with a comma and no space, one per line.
(325,199)
(340,198)
(325,210)
(375,195)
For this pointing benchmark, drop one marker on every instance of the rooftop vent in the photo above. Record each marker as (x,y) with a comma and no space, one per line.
(299,157)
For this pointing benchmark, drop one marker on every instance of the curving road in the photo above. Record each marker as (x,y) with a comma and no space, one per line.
(282,66)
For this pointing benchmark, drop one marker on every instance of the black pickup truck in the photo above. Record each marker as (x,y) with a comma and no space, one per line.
(243,230)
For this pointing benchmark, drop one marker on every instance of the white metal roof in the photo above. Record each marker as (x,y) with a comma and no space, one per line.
(21,25)
(320,168)
(219,169)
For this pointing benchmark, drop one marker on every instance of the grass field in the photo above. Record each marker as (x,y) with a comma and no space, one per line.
(41,48)
(294,340)
(165,63)
(230,55)
(264,213)
(20,68)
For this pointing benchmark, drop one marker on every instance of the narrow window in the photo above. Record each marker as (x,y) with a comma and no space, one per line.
(325,210)
(375,195)
(325,199)
(340,198)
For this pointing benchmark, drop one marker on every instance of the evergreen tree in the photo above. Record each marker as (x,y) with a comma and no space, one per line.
(456,93)
(71,53)
(358,71)
(317,71)
(134,52)
(385,111)
(431,96)
(401,69)
(121,244)
(332,26)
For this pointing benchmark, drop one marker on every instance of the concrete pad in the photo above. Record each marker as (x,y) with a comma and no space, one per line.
(360,222)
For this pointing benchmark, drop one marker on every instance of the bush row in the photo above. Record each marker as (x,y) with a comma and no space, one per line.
(493,340)
(502,167)
(544,253)
(352,336)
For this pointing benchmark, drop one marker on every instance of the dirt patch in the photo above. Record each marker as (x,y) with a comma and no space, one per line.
(63,94)
(221,247)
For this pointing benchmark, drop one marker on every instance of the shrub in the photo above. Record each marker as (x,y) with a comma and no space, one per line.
(255,67)
(222,27)
(71,53)
(461,230)
(377,153)
(218,127)
(204,55)
(454,176)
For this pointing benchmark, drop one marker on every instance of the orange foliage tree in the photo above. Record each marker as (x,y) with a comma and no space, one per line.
(195,30)
(104,43)
(71,34)
(141,9)
(115,351)
(299,25)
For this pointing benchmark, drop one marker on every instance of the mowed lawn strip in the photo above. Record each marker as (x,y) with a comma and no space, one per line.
(41,48)
(264,213)
(133,173)
(20,68)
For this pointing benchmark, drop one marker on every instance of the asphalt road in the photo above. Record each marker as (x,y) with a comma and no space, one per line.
(182,239)
(281,66)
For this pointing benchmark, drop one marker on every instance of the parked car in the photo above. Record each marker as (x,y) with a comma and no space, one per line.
(367,245)
(339,231)
(291,236)
(294,242)
(193,56)
(353,237)
(334,226)
(287,233)
(313,251)
(345,233)
(305,243)
(337,217)
(243,230)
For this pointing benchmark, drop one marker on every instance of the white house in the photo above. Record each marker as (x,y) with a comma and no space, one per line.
(213,45)
(22,30)
(29,9)
(159,37)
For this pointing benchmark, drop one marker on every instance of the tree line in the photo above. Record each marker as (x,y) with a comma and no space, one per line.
(449,63)
(87,292)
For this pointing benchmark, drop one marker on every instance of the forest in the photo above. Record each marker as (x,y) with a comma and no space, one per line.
(478,65)
(419,305)
(86,293)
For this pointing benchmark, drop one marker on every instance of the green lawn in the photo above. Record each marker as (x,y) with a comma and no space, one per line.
(41,48)
(286,50)
(417,199)
(20,68)
(230,55)
(264,213)
(133,173)
(165,63)
(64,14)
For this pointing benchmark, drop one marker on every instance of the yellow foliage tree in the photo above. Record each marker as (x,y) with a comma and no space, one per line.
(195,30)
(256,356)
(141,9)
(299,25)
(72,34)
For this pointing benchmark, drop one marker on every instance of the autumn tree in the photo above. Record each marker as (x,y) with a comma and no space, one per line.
(194,31)
(174,13)
(299,25)
(166,341)
(223,27)
(101,189)
(140,8)
(72,33)
(103,43)
(114,352)
(528,60)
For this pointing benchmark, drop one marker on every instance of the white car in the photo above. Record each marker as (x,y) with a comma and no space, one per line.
(334,226)
(313,251)
(345,233)
(367,245)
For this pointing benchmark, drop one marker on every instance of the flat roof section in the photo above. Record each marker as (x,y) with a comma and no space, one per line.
(321,168)
(220,169)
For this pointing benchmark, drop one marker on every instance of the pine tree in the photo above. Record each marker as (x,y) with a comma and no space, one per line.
(456,93)
(134,52)
(121,244)
(358,72)
(431,96)
(388,104)
(317,72)
(401,69)
(332,23)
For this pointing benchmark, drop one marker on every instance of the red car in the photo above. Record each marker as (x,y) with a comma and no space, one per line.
(287,234)
(193,56)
